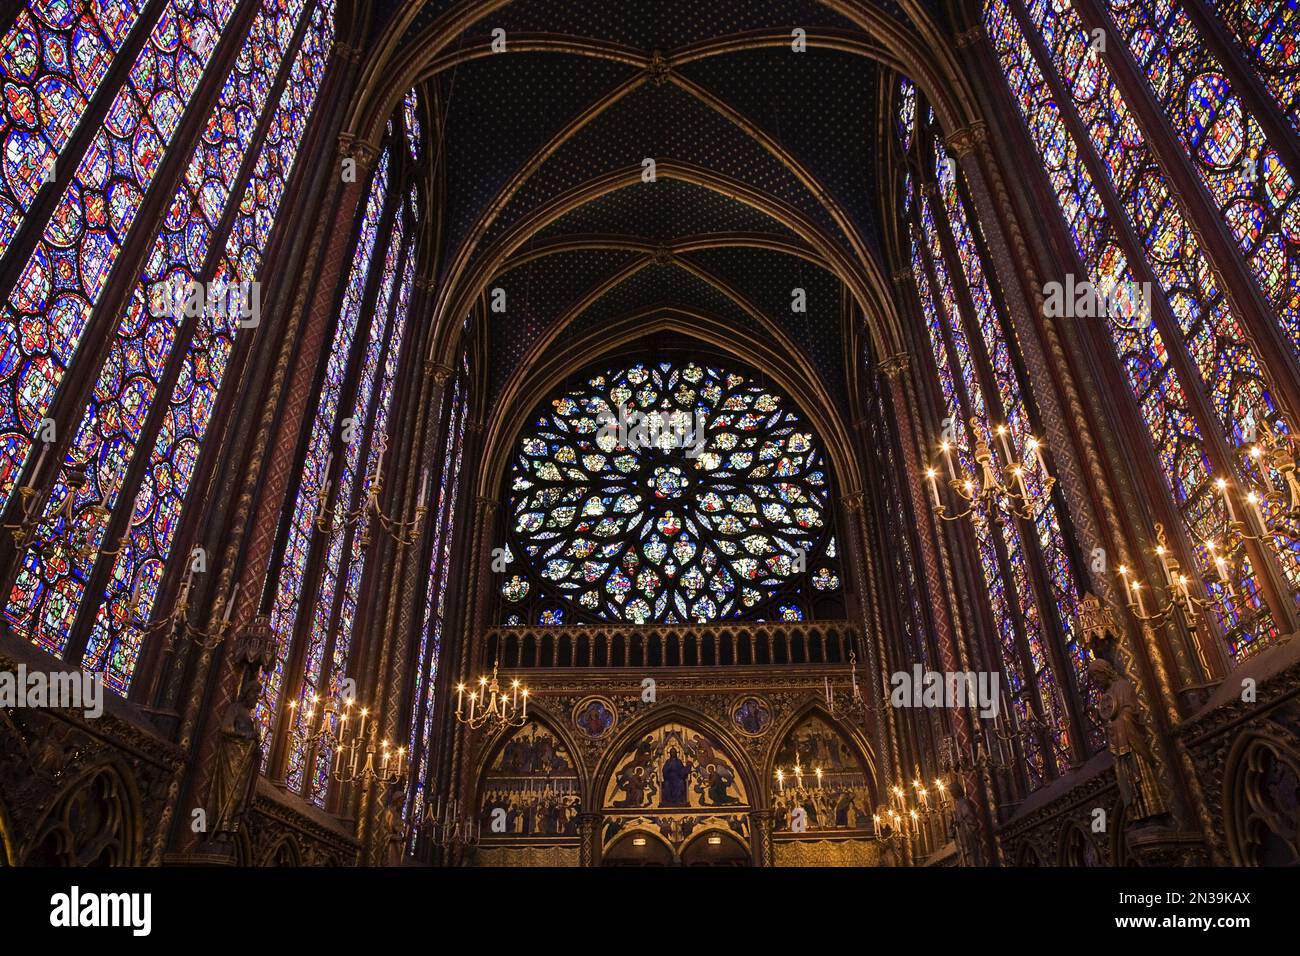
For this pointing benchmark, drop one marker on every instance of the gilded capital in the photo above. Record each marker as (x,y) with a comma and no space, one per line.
(894,365)
(964,140)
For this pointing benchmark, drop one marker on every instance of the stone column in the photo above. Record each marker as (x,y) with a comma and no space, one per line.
(268,479)
(762,823)
(589,833)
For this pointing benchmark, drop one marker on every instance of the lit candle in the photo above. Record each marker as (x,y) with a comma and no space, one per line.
(1137,592)
(525,696)
(1253,500)
(473,696)
(230,605)
(1001,432)
(934,485)
(947,457)
(460,694)
(1123,573)
(1227,498)
(780,779)
(1019,474)
(1257,454)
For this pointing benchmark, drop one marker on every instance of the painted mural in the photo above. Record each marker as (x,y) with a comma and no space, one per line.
(820,782)
(531,789)
(674,768)
(594,717)
(752,715)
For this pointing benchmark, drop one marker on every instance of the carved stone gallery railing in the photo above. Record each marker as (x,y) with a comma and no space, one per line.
(686,645)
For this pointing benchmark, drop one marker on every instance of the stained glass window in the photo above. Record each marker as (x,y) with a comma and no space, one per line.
(51,582)
(1003,594)
(411,115)
(349,523)
(1249,182)
(1267,31)
(667,492)
(317,467)
(133,585)
(976,358)
(44,316)
(1079,120)
(435,598)
(52,61)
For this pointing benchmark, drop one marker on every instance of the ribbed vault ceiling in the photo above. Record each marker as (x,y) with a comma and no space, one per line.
(541,147)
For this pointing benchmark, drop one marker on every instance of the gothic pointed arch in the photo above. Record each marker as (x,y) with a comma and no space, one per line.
(1261,798)
(532,782)
(94,820)
(820,777)
(623,746)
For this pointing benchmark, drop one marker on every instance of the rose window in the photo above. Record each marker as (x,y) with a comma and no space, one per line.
(670,492)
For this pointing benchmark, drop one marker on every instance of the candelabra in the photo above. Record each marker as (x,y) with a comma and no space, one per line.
(450,827)
(1267,509)
(993,747)
(369,513)
(907,817)
(796,772)
(996,492)
(1177,587)
(501,709)
(177,619)
(356,758)
(77,539)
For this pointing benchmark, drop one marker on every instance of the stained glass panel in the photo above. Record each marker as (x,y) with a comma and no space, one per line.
(51,583)
(133,585)
(44,316)
(316,470)
(1221,354)
(667,492)
(53,60)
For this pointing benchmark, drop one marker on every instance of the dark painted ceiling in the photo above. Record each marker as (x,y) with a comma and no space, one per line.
(526,129)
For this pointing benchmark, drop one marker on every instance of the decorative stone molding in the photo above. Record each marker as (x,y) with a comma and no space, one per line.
(658,71)
(893,366)
(963,142)
(440,373)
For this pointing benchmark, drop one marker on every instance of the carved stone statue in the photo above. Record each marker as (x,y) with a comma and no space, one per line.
(966,827)
(1129,743)
(390,830)
(239,757)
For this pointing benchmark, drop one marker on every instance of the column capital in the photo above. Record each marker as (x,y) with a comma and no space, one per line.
(894,365)
(963,141)
(970,37)
(359,150)
(439,372)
